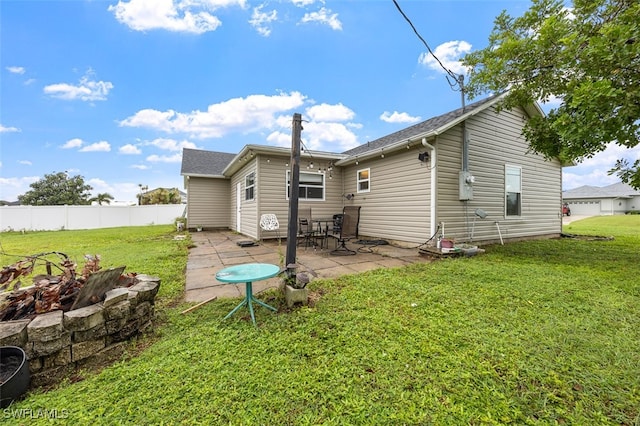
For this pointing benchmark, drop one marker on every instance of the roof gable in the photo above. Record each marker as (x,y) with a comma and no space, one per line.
(197,162)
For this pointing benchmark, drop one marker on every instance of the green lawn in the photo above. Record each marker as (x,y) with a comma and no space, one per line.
(538,332)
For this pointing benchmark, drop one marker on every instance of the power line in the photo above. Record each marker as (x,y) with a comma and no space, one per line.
(457,78)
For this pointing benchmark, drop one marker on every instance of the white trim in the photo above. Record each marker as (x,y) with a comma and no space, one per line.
(252,186)
(359,181)
(287,181)
(518,191)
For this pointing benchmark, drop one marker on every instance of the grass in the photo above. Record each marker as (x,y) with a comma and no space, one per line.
(537,332)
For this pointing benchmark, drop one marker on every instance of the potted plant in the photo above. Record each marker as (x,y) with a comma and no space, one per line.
(181,223)
(295,289)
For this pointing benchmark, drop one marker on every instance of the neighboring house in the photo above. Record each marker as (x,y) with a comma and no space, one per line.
(618,198)
(412,184)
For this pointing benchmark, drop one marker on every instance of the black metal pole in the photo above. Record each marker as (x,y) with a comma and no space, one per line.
(292,229)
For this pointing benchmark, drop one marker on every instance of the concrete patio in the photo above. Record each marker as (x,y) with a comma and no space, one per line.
(217,250)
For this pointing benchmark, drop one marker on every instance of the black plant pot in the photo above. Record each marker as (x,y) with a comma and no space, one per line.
(14,374)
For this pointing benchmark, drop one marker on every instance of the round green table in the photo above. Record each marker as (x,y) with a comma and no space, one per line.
(248,273)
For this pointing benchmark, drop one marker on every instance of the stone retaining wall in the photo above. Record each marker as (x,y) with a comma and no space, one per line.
(57,342)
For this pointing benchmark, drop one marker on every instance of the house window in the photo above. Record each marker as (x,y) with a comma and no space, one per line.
(249,186)
(311,186)
(513,190)
(364,180)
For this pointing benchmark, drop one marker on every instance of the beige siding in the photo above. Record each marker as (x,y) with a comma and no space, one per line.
(397,206)
(249,208)
(271,195)
(496,140)
(208,202)
(272,192)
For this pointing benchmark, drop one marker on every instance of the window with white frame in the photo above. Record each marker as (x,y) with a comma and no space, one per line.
(364,180)
(311,186)
(513,190)
(249,186)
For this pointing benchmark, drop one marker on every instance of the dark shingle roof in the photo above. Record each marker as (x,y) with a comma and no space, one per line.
(417,129)
(197,162)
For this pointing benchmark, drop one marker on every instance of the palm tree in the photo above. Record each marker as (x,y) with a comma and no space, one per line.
(104,197)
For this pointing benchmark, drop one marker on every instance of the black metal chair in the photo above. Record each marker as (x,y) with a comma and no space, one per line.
(348,230)
(305,228)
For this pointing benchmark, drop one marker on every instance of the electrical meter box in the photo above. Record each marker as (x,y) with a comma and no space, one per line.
(466,185)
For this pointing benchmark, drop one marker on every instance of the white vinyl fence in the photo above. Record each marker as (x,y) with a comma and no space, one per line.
(55,218)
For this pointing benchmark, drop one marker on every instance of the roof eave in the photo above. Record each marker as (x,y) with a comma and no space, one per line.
(203,175)
(235,164)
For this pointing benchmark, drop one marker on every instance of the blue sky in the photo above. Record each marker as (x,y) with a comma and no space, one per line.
(113,90)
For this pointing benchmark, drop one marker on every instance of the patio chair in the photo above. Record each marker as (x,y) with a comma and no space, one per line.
(269,222)
(305,227)
(348,230)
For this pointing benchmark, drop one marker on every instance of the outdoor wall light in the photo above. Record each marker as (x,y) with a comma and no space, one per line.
(423,156)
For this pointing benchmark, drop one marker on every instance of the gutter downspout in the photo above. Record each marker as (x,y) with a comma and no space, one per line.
(433,185)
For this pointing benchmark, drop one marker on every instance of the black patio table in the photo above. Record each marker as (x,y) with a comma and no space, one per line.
(324,231)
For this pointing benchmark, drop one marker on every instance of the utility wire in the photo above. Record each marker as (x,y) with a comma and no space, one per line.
(456,77)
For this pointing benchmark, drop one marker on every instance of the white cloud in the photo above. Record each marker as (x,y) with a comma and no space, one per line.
(101,146)
(261,20)
(72,143)
(250,114)
(129,149)
(398,117)
(190,16)
(140,166)
(175,158)
(279,138)
(324,129)
(326,112)
(302,3)
(449,54)
(25,162)
(325,136)
(86,90)
(323,16)
(594,171)
(171,144)
(4,129)
(16,70)
(11,187)
(99,185)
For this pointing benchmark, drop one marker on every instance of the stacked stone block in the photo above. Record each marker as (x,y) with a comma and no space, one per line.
(57,342)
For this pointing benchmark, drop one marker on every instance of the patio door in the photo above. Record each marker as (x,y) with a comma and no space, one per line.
(239,207)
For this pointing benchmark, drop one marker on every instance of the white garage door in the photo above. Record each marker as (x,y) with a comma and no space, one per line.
(585,208)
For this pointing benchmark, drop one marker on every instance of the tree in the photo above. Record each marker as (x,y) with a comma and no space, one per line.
(588,56)
(57,189)
(103,197)
(160,196)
